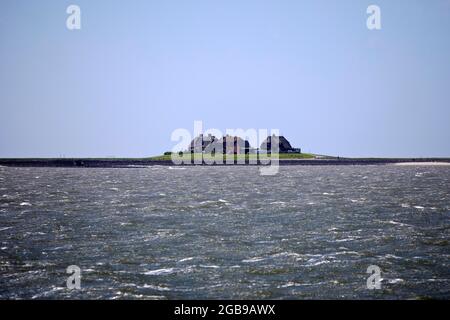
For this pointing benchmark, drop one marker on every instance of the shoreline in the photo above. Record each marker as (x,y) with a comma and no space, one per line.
(139,163)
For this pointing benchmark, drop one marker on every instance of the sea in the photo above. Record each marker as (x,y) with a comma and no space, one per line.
(225,232)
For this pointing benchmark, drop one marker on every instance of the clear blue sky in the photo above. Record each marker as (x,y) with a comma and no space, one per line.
(137,70)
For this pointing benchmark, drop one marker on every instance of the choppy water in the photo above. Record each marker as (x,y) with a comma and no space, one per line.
(225,232)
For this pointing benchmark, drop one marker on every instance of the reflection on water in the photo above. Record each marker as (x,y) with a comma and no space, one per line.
(225,232)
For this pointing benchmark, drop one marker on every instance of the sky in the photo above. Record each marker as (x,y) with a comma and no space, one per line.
(138,70)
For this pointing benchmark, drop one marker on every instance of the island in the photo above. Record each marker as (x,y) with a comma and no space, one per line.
(235,147)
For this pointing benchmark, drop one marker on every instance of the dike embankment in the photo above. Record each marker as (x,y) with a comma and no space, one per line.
(132,163)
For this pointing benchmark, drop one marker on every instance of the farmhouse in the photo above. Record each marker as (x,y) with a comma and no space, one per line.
(283,145)
(199,143)
(236,145)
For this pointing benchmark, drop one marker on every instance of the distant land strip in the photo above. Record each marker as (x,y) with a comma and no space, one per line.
(143,162)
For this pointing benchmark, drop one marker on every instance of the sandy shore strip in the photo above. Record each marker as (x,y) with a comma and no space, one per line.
(435,163)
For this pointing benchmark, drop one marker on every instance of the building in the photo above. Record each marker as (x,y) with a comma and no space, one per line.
(283,145)
(233,145)
(201,142)
(236,145)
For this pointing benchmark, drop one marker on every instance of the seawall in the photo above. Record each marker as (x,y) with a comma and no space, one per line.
(131,163)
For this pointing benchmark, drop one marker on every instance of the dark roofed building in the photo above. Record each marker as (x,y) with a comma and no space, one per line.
(199,143)
(283,144)
(234,145)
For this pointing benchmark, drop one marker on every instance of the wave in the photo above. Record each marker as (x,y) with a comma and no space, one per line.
(160,272)
(255,259)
